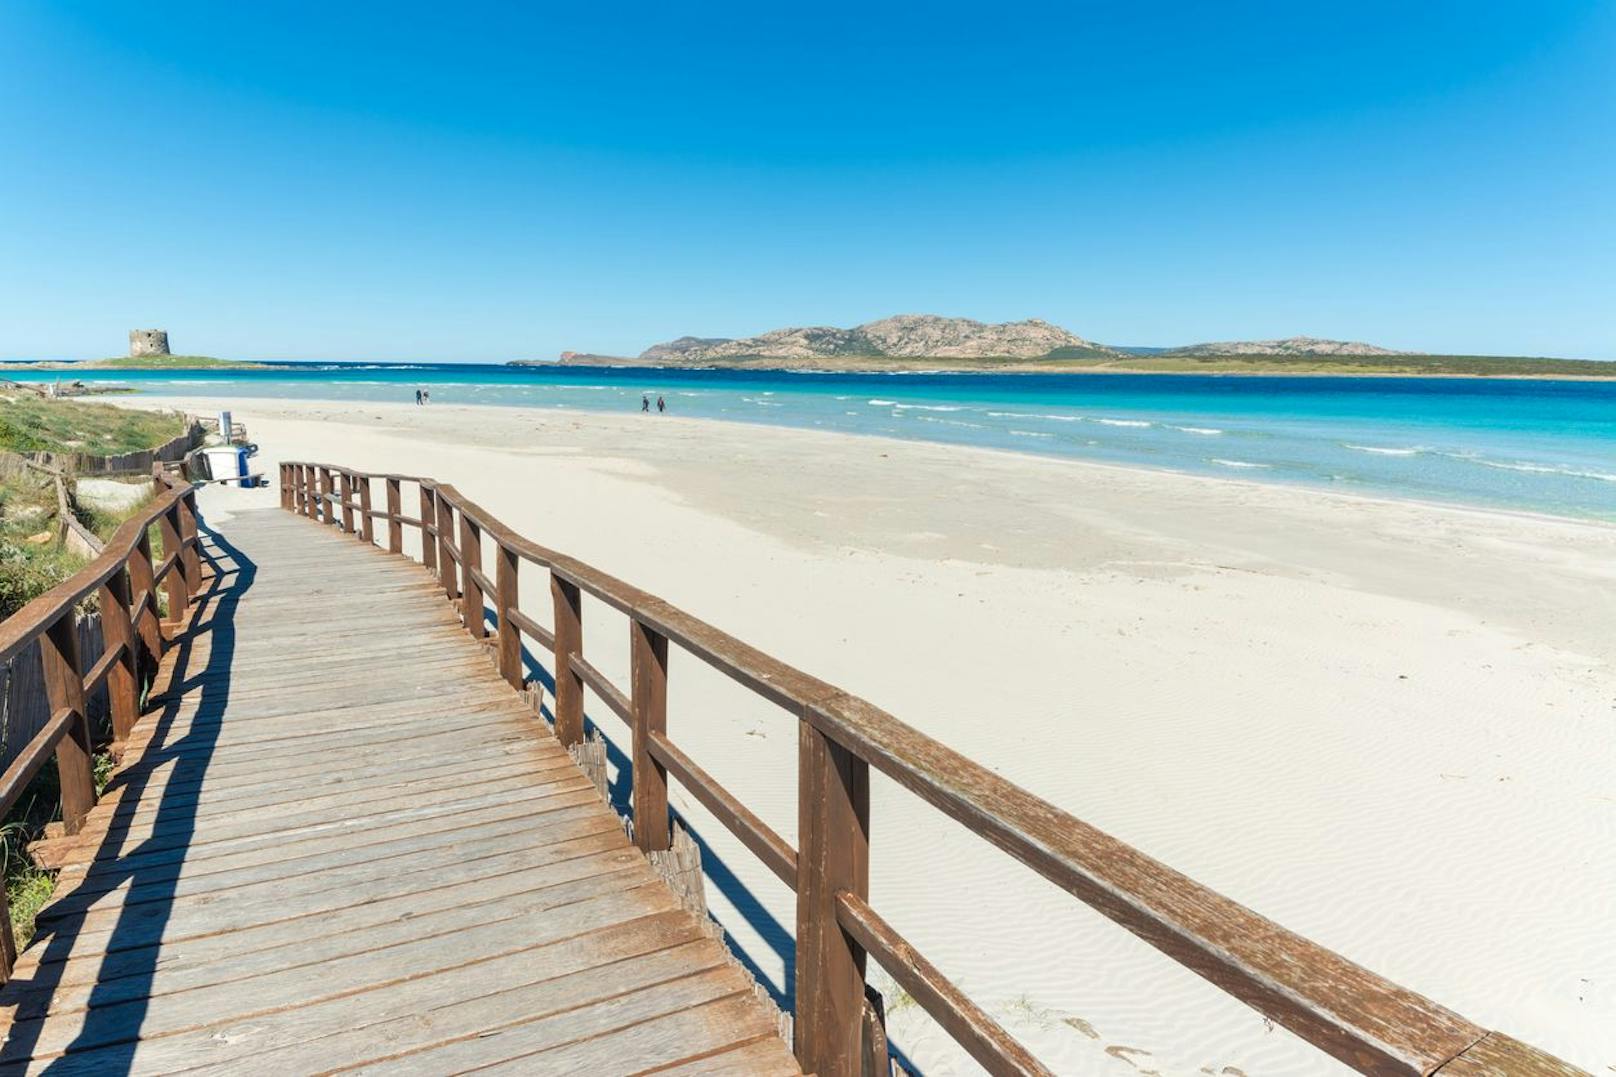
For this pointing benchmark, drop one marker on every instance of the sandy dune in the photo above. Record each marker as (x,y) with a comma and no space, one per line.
(1388,726)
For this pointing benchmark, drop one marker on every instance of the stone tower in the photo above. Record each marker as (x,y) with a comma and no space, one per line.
(148,342)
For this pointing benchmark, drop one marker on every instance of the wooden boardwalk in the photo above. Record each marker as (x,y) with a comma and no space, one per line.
(341,840)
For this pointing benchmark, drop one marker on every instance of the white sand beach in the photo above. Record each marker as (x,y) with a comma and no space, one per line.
(1388,726)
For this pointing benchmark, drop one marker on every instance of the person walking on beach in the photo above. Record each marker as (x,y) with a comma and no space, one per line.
(645,403)
(417,398)
(426,396)
(661,405)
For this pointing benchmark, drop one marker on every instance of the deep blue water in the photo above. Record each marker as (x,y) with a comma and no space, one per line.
(1547,446)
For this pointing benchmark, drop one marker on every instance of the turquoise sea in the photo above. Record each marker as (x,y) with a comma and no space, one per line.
(1543,446)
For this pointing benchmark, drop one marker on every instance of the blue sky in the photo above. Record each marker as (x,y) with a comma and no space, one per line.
(483,182)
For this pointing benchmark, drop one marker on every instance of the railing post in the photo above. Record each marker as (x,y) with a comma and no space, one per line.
(395,509)
(367,523)
(123,679)
(174,582)
(429,541)
(286,486)
(190,543)
(146,622)
(505,599)
(64,687)
(448,568)
(346,481)
(326,491)
(833,828)
(569,642)
(471,592)
(310,491)
(649,675)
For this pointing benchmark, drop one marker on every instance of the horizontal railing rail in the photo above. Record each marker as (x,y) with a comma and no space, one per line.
(1360,1018)
(125,580)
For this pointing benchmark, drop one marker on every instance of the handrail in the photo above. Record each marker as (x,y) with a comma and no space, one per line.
(1360,1018)
(125,581)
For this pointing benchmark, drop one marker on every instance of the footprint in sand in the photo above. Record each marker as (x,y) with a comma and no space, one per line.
(1126,1054)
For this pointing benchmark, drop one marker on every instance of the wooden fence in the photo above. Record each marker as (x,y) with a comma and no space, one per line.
(125,580)
(24,702)
(129,463)
(1365,1021)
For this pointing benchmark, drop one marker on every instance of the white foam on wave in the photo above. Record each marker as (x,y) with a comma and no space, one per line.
(1123,422)
(1204,430)
(882,403)
(1380,450)
(948,422)
(928,407)
(1035,415)
(761,403)
(1238,463)
(1030,434)
(1541,469)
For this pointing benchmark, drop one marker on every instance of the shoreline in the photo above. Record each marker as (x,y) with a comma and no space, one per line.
(1301,486)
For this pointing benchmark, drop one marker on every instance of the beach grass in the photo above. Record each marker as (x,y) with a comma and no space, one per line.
(32,423)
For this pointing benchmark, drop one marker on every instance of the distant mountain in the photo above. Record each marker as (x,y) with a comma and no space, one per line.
(1288,346)
(902,336)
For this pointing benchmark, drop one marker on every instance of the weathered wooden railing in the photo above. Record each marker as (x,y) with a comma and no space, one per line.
(125,580)
(1360,1018)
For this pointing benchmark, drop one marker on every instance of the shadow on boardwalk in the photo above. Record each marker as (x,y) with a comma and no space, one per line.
(150,870)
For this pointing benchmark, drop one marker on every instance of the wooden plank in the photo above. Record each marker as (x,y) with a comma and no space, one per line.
(92,876)
(765,1057)
(689,1030)
(142,829)
(487,885)
(427,1011)
(264,913)
(159,1015)
(137,974)
(241,833)
(167,781)
(321,870)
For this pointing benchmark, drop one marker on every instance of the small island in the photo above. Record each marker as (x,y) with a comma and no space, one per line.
(148,350)
(925,342)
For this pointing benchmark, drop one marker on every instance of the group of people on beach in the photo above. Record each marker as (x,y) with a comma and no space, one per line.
(645,403)
(422,397)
